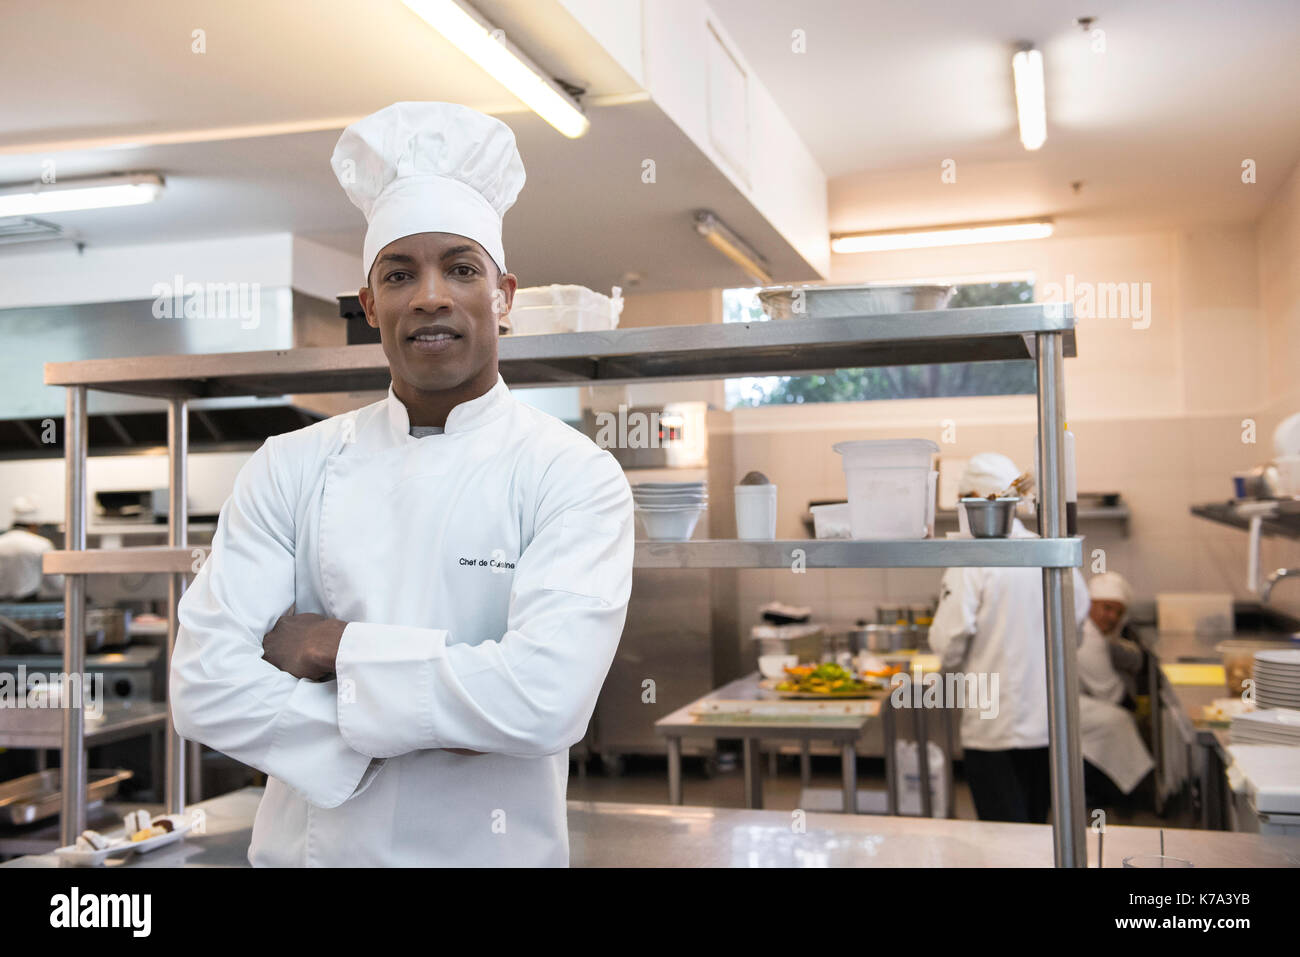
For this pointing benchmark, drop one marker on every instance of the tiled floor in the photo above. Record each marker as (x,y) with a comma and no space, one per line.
(644,779)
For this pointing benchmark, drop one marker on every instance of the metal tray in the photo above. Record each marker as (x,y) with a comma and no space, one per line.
(34,797)
(824,302)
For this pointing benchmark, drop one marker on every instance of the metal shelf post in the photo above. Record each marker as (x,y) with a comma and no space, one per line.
(73,772)
(1068,834)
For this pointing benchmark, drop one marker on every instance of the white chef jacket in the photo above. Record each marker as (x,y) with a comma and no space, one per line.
(990,621)
(1097,675)
(485,575)
(21,554)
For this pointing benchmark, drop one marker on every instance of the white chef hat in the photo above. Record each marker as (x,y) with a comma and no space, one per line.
(1110,586)
(24,510)
(429,168)
(987,474)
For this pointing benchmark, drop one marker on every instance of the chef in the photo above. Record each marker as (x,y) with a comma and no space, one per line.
(1109,661)
(990,621)
(1116,758)
(22,550)
(409,609)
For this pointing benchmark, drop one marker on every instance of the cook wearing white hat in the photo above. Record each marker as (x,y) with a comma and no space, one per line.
(22,551)
(990,623)
(433,181)
(459,562)
(1110,664)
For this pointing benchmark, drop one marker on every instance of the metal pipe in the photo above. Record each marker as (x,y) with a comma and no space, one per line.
(177,537)
(72,774)
(1068,827)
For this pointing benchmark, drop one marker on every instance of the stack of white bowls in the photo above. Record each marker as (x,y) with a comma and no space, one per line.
(669,511)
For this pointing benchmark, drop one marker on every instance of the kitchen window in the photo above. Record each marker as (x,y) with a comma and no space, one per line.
(1009,377)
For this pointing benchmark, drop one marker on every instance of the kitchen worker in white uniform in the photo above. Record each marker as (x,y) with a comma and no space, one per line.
(990,621)
(22,550)
(409,609)
(1116,758)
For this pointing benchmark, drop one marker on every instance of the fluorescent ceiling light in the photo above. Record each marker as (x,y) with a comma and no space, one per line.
(131,189)
(946,236)
(474,36)
(1031,99)
(720,236)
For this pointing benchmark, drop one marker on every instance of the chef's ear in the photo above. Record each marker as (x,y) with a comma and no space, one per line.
(368,304)
(507,283)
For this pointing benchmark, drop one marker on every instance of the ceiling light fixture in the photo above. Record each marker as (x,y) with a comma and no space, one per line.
(1031,97)
(721,237)
(101,192)
(942,236)
(479,40)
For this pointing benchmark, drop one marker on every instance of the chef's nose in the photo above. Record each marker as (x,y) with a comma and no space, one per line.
(433,294)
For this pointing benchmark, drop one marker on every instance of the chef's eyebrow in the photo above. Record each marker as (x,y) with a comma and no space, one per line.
(445,255)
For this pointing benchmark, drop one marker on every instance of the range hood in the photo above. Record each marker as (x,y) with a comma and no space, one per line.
(31,413)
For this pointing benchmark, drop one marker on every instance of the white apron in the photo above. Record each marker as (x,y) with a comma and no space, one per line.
(1109,739)
(485,574)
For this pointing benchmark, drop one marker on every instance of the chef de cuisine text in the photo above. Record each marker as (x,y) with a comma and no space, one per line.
(488,563)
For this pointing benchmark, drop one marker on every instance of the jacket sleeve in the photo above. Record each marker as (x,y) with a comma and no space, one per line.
(532,691)
(223,693)
(954,622)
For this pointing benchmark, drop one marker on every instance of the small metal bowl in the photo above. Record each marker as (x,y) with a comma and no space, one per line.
(990,518)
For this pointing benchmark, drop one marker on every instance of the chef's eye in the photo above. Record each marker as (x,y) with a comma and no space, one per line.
(396,275)
(463,271)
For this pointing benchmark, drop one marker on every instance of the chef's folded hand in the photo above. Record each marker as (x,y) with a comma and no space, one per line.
(306,646)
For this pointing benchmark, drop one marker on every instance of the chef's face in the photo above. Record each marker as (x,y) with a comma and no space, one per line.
(1106,614)
(436,299)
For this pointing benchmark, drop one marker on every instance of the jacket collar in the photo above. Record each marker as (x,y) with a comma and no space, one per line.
(463,418)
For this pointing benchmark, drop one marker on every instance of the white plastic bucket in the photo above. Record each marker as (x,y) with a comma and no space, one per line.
(891,487)
(886,453)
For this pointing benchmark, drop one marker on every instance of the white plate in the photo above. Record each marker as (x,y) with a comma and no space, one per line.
(119,844)
(1280,656)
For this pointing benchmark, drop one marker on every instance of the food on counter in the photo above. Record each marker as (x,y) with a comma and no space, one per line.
(137,821)
(91,841)
(755,478)
(827,679)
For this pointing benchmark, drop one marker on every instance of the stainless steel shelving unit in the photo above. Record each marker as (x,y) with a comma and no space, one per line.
(1043,333)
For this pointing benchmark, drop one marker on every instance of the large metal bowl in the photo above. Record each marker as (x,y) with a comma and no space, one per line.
(825,302)
(990,518)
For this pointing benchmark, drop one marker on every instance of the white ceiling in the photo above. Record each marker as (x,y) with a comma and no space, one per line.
(1156,127)
(98,77)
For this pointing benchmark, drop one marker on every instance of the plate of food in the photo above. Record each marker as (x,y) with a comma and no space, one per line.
(140,832)
(823,681)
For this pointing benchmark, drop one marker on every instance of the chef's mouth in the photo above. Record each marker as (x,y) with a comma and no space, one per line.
(432,340)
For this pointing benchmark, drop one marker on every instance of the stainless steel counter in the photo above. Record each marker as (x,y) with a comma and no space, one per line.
(604,834)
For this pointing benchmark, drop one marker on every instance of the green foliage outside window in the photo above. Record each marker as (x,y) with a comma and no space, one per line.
(1012,377)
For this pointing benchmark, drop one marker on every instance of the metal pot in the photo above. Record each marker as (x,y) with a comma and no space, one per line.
(878,638)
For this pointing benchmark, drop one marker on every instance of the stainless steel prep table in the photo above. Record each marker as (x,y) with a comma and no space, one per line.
(841,731)
(606,834)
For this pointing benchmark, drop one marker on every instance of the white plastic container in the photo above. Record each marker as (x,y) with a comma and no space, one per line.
(539,310)
(756,513)
(831,521)
(891,487)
